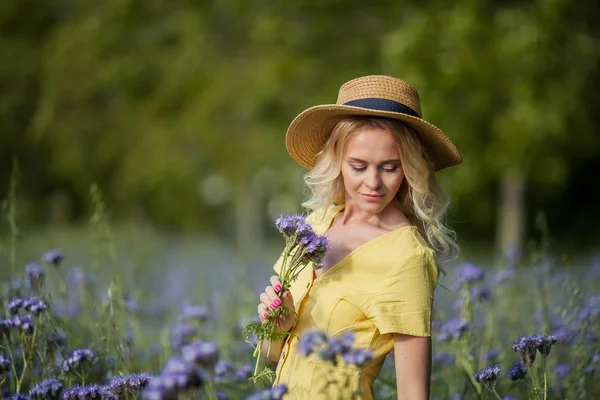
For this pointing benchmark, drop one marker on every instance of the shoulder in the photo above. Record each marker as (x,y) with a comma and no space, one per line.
(407,243)
(418,265)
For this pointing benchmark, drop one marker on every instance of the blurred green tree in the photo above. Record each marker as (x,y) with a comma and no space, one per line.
(178,109)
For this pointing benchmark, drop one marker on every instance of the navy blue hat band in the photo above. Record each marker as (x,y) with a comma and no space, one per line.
(382,105)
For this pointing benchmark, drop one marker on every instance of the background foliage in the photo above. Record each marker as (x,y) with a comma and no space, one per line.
(178,109)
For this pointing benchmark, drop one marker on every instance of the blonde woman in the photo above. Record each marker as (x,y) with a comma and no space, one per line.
(372,161)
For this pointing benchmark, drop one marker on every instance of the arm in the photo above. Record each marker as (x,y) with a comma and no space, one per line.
(412,356)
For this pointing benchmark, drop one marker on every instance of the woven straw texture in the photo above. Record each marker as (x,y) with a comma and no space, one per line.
(309,131)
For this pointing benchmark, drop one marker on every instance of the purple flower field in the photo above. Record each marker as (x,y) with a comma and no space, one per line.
(68,332)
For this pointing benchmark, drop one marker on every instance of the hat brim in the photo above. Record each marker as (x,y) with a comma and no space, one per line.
(309,131)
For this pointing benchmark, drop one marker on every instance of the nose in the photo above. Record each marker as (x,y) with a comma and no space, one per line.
(373,180)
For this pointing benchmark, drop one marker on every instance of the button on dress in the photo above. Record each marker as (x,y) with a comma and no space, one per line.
(382,287)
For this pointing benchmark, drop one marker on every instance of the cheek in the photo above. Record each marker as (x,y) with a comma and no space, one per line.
(351,180)
(395,181)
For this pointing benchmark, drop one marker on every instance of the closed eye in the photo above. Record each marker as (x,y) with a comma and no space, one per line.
(392,169)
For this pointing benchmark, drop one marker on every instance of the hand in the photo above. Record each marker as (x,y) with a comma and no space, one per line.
(270,300)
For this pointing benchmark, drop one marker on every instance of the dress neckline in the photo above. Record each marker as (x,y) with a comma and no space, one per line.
(336,210)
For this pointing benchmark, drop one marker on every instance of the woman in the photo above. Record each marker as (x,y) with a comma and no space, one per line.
(372,162)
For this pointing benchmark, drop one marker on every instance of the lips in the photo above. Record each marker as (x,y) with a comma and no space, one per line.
(371,197)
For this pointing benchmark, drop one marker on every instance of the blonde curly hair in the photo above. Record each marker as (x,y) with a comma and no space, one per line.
(420,197)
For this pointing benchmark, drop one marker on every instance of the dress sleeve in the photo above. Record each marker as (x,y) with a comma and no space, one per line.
(404,303)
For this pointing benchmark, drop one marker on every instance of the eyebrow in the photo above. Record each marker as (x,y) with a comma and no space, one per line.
(391,161)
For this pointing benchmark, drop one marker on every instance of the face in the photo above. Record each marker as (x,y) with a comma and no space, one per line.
(371,170)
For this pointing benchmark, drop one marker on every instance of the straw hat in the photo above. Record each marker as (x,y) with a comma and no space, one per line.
(374,95)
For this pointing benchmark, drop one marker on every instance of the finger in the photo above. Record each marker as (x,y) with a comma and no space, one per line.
(275,301)
(263,313)
(265,300)
(276,283)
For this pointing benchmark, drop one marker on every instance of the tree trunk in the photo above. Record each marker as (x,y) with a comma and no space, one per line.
(511,217)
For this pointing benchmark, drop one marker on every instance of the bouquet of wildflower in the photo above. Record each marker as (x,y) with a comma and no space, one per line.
(302,247)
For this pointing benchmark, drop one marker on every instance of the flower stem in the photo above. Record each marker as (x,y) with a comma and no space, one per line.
(31,350)
(545,379)
(25,363)
(14,369)
(496,394)
(257,354)
(210,390)
(531,373)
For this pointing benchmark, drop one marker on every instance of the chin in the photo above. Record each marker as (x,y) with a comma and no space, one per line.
(373,208)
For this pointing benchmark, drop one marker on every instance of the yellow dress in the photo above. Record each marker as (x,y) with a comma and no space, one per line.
(382,287)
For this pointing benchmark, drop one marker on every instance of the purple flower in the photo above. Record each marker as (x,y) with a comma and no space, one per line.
(19,396)
(517,371)
(23,323)
(278,391)
(468,273)
(71,393)
(195,312)
(4,365)
(34,305)
(453,329)
(310,341)
(177,377)
(34,274)
(93,392)
(222,371)
(14,305)
(182,334)
(203,354)
(545,344)
(488,376)
(562,370)
(243,373)
(77,357)
(222,395)
(509,397)
(262,395)
(358,357)
(316,249)
(53,257)
(131,384)
(477,294)
(87,392)
(327,354)
(275,393)
(288,224)
(527,347)
(5,327)
(341,344)
(48,389)
(444,358)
